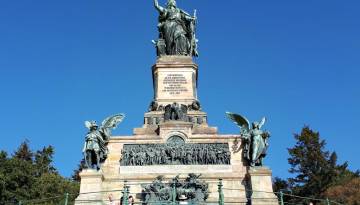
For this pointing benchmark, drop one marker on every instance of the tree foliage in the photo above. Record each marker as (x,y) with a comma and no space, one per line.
(347,192)
(30,175)
(280,185)
(316,171)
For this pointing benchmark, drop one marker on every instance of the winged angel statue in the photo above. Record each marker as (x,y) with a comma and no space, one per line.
(95,150)
(256,140)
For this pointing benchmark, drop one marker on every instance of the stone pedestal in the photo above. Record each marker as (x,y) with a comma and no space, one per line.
(261,186)
(175,80)
(90,187)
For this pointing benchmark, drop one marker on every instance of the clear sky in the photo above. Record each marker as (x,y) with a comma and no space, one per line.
(64,62)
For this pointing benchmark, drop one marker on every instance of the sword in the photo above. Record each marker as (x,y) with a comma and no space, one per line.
(193,43)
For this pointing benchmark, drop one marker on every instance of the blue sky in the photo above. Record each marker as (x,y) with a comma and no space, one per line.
(64,62)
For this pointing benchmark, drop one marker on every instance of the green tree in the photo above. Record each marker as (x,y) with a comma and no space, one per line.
(315,169)
(30,176)
(24,153)
(19,174)
(280,185)
(43,161)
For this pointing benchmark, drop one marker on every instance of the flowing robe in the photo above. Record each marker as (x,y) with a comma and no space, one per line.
(174,29)
(258,145)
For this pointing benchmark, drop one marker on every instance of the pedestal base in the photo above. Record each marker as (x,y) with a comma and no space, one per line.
(90,188)
(175,80)
(261,186)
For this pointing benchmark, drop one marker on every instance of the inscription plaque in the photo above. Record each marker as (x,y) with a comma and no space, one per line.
(175,84)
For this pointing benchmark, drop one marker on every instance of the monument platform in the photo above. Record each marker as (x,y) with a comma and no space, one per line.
(174,142)
(114,176)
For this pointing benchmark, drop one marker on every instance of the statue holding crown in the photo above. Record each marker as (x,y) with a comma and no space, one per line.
(176,31)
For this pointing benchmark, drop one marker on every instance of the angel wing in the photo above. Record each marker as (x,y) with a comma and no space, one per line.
(262,122)
(239,120)
(88,124)
(112,121)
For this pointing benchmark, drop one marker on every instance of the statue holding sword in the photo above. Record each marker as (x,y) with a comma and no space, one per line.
(176,31)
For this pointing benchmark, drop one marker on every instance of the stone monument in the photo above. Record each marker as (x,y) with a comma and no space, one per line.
(175,155)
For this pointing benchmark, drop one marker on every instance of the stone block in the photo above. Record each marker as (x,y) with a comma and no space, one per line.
(261,186)
(175,79)
(90,187)
(205,130)
(145,131)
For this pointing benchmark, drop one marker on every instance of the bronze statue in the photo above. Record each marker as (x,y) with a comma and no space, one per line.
(175,153)
(95,150)
(161,192)
(196,106)
(176,31)
(256,140)
(175,111)
(153,106)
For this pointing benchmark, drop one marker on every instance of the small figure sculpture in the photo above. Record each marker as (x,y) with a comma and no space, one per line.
(153,106)
(177,31)
(175,111)
(160,192)
(175,152)
(195,106)
(95,150)
(256,140)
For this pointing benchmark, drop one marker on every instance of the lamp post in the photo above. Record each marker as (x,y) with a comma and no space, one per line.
(221,193)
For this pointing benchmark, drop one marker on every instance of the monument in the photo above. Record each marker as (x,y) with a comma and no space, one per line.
(175,156)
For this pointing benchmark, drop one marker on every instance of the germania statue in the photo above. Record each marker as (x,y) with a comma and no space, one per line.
(176,31)
(256,140)
(95,150)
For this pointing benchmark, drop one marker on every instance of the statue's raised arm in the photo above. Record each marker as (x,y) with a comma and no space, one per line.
(187,16)
(158,7)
